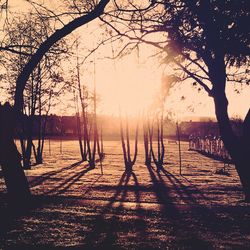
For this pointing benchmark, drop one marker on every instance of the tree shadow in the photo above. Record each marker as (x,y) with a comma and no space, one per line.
(122,190)
(190,195)
(179,214)
(107,224)
(162,193)
(39,180)
(9,216)
(69,180)
(67,183)
(92,185)
(6,217)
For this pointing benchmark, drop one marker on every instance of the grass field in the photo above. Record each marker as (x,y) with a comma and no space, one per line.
(80,208)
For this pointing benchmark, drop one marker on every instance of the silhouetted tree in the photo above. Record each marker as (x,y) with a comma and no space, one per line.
(100,148)
(83,96)
(10,159)
(129,163)
(159,157)
(206,38)
(9,156)
(147,141)
(208,42)
(28,32)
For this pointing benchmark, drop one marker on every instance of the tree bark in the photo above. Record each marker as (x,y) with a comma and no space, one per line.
(10,161)
(237,147)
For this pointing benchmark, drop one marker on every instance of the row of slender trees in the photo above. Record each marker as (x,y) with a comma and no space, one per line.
(46,83)
(153,143)
(26,32)
(89,133)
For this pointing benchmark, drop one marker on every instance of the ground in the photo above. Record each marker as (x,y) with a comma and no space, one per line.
(81,208)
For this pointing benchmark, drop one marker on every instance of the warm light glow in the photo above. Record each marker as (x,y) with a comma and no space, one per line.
(133,87)
(131,84)
(126,86)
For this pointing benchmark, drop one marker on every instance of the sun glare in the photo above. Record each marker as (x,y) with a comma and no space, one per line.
(129,88)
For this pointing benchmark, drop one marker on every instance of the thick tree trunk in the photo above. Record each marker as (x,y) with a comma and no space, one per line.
(237,147)
(241,158)
(242,167)
(10,160)
(245,144)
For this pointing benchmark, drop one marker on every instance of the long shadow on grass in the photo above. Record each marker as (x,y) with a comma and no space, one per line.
(178,215)
(191,197)
(5,217)
(70,178)
(115,220)
(172,219)
(188,221)
(68,182)
(39,180)
(123,188)
(162,193)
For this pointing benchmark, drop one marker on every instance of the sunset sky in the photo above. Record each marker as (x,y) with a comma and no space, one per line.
(132,84)
(134,88)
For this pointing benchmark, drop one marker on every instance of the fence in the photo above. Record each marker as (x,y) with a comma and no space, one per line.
(211,146)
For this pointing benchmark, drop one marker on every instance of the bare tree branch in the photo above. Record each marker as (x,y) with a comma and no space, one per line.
(46,45)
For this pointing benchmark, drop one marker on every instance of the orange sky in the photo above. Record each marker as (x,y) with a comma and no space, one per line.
(132,83)
(134,90)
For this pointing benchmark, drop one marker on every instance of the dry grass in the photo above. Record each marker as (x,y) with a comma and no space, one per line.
(79,208)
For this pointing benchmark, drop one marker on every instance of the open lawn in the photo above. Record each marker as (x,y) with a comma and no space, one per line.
(81,208)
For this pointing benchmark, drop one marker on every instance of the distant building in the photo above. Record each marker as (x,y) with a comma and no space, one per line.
(67,126)
(199,128)
(204,128)
(55,125)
